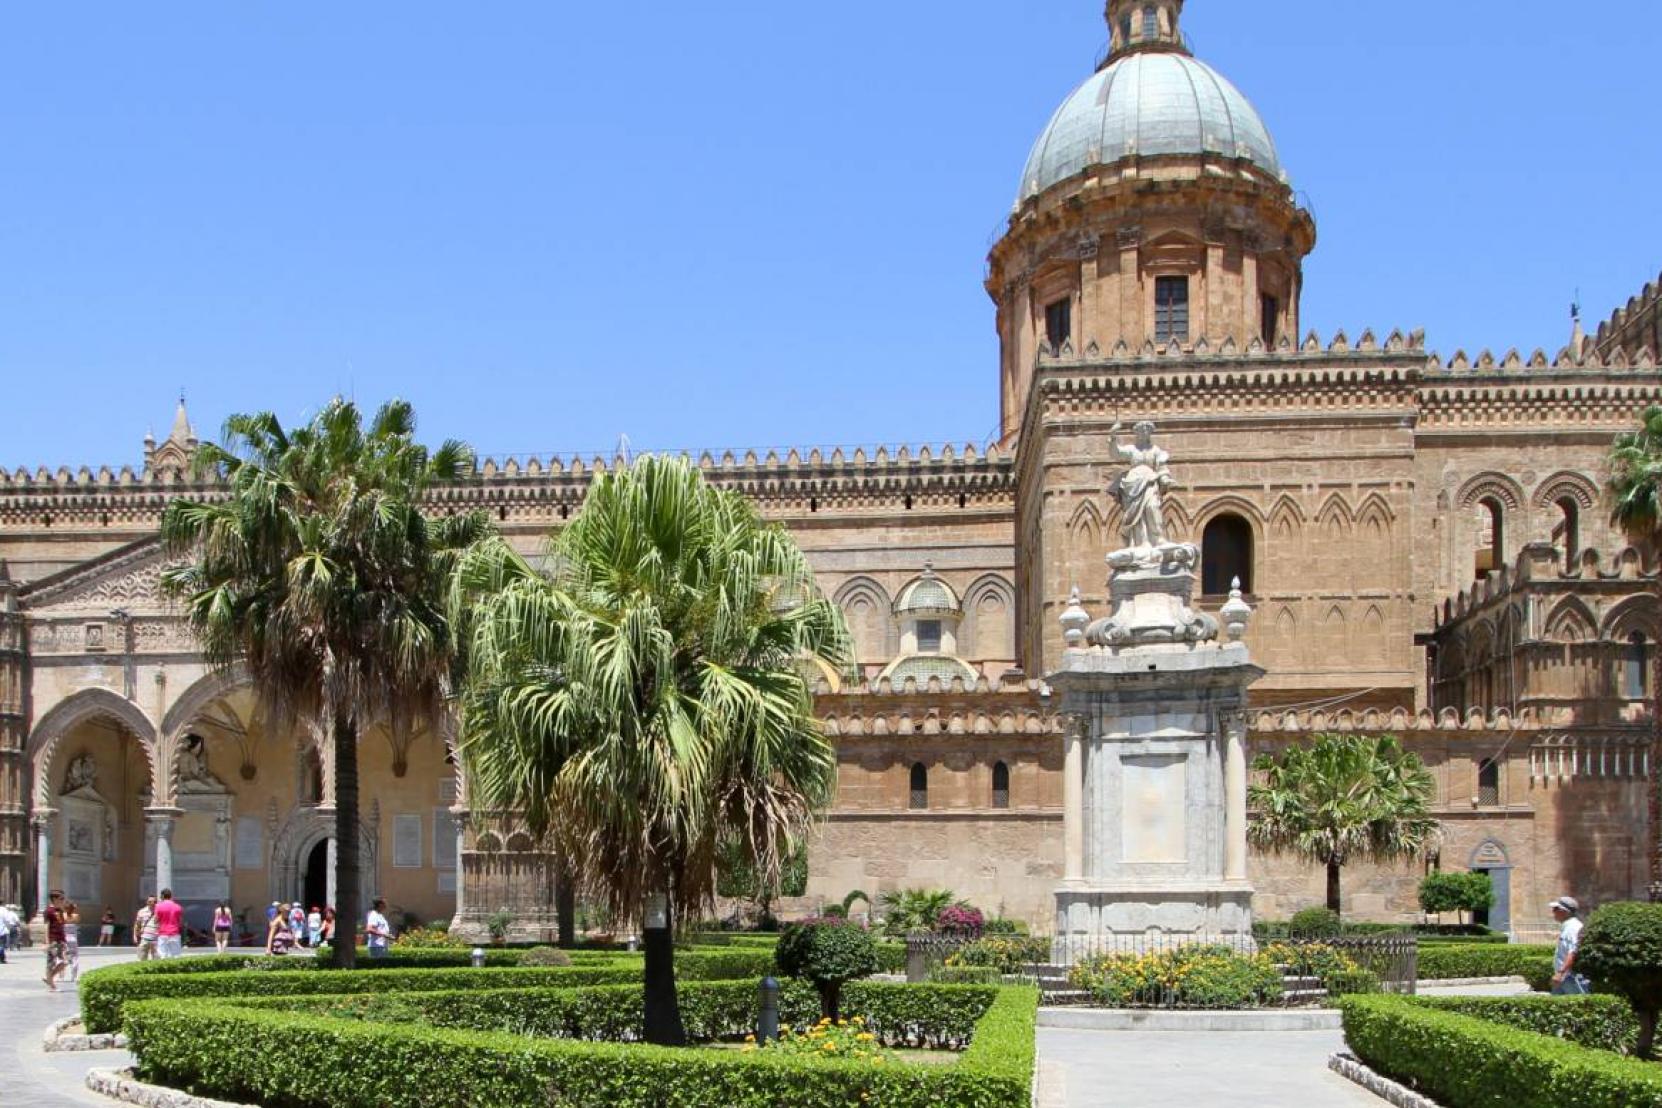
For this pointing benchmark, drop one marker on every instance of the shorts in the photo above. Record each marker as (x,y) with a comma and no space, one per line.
(107,931)
(169,946)
(56,957)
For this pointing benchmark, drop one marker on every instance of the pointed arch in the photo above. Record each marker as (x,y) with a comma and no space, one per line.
(989,619)
(1179,524)
(1636,613)
(1373,635)
(1086,535)
(1335,519)
(1566,483)
(1491,486)
(867,607)
(76,709)
(1571,621)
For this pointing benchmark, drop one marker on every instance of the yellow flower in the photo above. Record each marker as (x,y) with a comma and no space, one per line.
(865,1036)
(830,1046)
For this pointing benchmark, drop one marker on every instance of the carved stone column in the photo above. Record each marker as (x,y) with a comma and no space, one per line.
(1073,800)
(42,823)
(1235,797)
(162,822)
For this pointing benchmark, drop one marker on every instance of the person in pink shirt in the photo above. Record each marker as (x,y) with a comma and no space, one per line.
(170,926)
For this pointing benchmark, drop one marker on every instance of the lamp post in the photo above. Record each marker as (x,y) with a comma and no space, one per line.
(767,1018)
(478,957)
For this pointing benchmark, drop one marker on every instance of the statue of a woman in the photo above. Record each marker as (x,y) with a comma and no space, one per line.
(1141,489)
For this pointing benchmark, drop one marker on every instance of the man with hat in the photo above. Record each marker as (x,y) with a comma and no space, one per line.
(1565,981)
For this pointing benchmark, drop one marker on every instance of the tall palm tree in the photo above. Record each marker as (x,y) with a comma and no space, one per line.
(648,696)
(1344,798)
(1635,492)
(318,574)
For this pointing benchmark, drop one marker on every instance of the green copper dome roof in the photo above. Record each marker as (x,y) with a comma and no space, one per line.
(1144,104)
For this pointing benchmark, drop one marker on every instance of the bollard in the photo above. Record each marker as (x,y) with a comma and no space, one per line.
(767,1019)
(478,958)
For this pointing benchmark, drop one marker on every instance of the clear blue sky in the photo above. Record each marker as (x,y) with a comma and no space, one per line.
(739,223)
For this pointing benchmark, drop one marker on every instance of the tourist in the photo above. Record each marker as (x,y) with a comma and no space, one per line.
(378,930)
(170,926)
(144,930)
(106,927)
(9,922)
(72,941)
(278,937)
(297,923)
(328,924)
(314,927)
(222,926)
(54,939)
(271,912)
(1565,981)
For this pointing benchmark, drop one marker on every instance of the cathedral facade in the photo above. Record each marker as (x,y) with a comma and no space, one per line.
(1424,542)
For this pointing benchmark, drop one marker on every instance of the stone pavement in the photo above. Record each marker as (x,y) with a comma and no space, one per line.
(30,1077)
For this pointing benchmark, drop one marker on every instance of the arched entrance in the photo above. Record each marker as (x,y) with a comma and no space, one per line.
(315,879)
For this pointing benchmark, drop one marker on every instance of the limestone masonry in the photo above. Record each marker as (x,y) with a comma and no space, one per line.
(1422,544)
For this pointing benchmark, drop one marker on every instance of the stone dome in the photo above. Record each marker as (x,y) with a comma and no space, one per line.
(1148,103)
(926,593)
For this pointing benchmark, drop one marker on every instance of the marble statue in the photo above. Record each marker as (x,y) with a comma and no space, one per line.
(1141,489)
(82,774)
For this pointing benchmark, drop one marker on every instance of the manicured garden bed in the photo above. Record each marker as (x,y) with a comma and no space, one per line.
(104,992)
(559,1045)
(1529,1052)
(1449,961)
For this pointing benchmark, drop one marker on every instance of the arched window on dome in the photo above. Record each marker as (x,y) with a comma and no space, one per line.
(1171,309)
(1125,30)
(1567,535)
(1001,785)
(919,800)
(1225,554)
(1491,535)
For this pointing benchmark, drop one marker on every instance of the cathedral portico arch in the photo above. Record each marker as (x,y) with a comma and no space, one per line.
(73,711)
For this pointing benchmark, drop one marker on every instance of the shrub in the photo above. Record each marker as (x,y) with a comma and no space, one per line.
(1351,982)
(497,923)
(1442,962)
(1005,954)
(830,953)
(1599,1022)
(1462,1061)
(307,1058)
(545,956)
(891,956)
(1196,976)
(105,992)
(1338,972)
(1000,925)
(1621,950)
(960,920)
(1456,892)
(1314,923)
(846,1040)
(428,938)
(908,910)
(965,975)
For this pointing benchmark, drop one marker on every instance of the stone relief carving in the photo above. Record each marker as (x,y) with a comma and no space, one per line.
(82,774)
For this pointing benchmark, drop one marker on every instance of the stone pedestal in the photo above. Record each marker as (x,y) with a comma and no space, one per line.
(1155,801)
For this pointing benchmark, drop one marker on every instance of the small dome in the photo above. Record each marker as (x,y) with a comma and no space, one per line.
(926,593)
(1143,104)
(921,667)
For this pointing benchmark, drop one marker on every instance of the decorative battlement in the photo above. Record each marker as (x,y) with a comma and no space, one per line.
(1540,563)
(1401,720)
(1636,325)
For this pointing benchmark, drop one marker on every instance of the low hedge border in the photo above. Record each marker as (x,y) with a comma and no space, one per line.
(1446,961)
(1463,1061)
(303,1059)
(104,992)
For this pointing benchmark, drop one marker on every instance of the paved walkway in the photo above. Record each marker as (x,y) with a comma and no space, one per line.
(30,1077)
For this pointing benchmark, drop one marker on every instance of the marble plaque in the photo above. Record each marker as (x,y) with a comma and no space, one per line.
(250,843)
(447,881)
(444,839)
(406,842)
(1153,807)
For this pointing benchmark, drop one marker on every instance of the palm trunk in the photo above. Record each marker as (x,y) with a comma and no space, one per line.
(348,908)
(1647,1032)
(565,904)
(1333,887)
(663,1008)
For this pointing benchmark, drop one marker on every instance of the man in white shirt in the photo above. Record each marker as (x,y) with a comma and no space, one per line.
(1565,981)
(9,923)
(377,929)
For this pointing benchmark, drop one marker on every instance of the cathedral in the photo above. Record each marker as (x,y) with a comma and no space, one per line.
(1423,542)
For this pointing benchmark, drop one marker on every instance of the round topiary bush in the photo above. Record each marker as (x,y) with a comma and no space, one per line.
(545,956)
(1314,923)
(828,952)
(1621,950)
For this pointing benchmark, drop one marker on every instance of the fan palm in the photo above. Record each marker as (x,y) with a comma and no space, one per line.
(645,699)
(318,574)
(1635,492)
(1343,798)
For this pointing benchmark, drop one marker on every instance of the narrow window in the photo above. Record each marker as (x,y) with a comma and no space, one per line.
(1567,535)
(1226,553)
(1059,322)
(1151,24)
(1125,31)
(1491,535)
(1488,783)
(1269,317)
(1171,309)
(1635,679)
(929,636)
(920,788)
(1001,785)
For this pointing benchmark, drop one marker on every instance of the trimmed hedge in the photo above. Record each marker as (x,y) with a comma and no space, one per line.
(104,992)
(1443,961)
(1595,1022)
(1462,1061)
(307,1059)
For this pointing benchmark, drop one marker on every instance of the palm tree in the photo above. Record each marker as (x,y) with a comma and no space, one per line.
(318,574)
(1344,798)
(1635,492)
(648,695)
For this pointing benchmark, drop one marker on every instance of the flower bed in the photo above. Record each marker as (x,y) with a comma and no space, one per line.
(1194,976)
(338,1052)
(104,992)
(1476,1053)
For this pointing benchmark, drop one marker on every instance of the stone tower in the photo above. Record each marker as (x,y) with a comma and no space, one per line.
(14,827)
(1153,210)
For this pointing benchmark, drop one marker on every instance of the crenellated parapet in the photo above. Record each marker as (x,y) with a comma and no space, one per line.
(1010,709)
(1398,721)
(1635,328)
(551,487)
